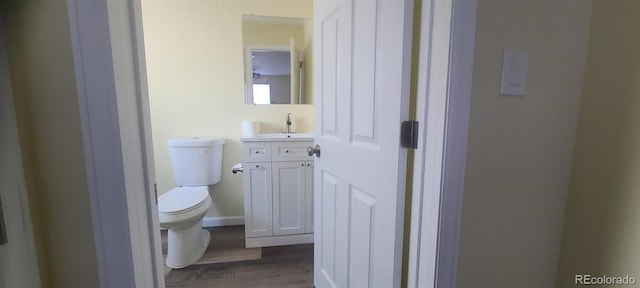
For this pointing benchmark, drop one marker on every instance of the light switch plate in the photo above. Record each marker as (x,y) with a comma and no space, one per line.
(515,66)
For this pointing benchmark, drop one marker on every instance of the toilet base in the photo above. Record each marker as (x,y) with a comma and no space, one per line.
(186,246)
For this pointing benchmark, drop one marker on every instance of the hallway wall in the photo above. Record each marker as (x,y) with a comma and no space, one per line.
(602,228)
(47,112)
(520,147)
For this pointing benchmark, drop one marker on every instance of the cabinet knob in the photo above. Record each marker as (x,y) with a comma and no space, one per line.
(257,166)
(286,151)
(257,152)
(302,164)
(308,164)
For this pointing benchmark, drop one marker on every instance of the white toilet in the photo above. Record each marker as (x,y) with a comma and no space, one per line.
(197,163)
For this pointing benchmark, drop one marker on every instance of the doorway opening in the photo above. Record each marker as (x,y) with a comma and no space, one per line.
(141,218)
(216,65)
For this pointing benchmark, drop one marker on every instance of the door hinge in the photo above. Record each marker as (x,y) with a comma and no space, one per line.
(409,134)
(3,230)
(155,191)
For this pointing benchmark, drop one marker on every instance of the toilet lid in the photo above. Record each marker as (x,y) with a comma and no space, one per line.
(182,198)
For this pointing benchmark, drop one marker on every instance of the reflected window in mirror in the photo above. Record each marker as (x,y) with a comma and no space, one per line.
(261,93)
(277,60)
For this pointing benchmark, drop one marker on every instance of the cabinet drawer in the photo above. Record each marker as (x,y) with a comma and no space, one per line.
(290,151)
(256,152)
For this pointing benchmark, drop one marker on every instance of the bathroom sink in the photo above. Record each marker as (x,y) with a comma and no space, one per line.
(281,137)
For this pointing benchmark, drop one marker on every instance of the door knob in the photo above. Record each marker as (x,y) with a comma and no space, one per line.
(314,150)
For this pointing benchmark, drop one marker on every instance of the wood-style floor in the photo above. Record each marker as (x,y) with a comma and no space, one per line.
(282,267)
(226,245)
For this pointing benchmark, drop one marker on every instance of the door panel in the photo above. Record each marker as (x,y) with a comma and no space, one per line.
(329,71)
(364,58)
(364,62)
(362,220)
(331,249)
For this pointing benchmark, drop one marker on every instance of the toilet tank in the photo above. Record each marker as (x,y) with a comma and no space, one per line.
(196,161)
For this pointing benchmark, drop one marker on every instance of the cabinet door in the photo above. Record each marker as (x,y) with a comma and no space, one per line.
(289,198)
(258,199)
(309,195)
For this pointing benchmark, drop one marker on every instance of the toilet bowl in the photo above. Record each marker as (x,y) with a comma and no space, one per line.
(197,163)
(181,211)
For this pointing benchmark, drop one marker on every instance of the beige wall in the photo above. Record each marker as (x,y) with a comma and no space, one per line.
(520,147)
(261,32)
(39,49)
(602,228)
(195,72)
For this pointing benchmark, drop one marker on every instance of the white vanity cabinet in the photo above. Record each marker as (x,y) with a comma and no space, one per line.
(278,191)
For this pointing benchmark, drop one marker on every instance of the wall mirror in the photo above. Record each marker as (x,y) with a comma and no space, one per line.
(277,60)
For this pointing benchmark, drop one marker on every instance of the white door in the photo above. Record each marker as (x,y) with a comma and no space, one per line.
(18,264)
(362,76)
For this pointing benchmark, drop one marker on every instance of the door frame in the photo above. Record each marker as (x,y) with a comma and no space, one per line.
(108,53)
(447,41)
(111,83)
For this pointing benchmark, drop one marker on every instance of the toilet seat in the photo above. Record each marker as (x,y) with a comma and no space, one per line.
(182,199)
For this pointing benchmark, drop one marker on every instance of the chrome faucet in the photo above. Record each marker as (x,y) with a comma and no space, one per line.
(288,122)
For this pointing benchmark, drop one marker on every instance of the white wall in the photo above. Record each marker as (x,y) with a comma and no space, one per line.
(520,147)
(602,228)
(195,72)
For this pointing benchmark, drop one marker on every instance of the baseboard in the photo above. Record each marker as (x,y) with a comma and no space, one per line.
(222,221)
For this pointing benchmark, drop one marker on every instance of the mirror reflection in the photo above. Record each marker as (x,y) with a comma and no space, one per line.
(277,60)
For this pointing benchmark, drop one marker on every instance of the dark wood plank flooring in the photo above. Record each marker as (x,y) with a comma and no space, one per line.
(283,267)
